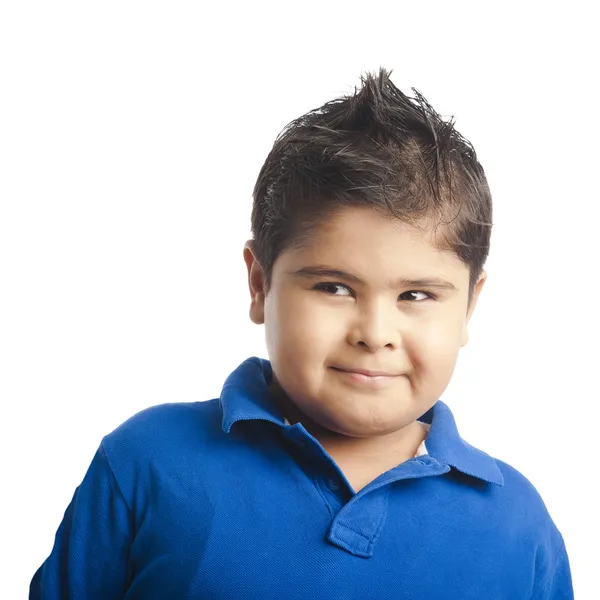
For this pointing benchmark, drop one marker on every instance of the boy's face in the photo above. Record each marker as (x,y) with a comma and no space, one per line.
(396,307)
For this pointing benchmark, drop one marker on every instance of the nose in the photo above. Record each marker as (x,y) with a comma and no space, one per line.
(375,327)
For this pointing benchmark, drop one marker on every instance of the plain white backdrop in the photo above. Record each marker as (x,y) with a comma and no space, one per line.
(131,135)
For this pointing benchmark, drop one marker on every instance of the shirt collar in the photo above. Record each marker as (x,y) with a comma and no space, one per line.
(245,396)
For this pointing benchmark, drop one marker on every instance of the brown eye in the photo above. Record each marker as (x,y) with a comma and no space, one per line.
(333,289)
(410,296)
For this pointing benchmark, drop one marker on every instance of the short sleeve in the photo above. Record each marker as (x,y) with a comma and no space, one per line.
(91,548)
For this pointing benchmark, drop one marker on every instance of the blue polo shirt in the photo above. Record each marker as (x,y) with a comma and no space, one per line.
(222,500)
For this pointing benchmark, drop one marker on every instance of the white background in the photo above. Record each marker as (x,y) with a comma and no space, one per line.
(131,135)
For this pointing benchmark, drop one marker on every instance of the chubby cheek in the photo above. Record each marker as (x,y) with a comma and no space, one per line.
(300,335)
(434,351)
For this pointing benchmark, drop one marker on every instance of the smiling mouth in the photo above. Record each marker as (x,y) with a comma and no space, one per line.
(363,379)
(367,374)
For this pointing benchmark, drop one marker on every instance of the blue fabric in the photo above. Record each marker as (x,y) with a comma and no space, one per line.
(221,500)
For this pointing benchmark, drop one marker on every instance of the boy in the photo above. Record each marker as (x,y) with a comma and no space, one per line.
(333,470)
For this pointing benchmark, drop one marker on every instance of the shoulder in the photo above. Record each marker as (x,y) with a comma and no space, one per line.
(524,507)
(516,483)
(162,432)
(160,420)
(146,450)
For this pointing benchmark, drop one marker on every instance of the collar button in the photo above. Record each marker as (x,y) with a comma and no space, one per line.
(333,485)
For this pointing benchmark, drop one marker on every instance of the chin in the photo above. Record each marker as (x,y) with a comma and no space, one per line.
(361,429)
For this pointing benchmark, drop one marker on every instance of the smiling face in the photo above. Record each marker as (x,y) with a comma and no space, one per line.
(363,323)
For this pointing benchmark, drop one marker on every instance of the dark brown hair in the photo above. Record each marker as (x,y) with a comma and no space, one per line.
(381,149)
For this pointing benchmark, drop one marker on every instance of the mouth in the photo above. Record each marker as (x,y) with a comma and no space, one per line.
(367,374)
(364,379)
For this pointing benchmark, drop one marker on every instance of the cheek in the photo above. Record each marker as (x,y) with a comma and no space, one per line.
(300,338)
(299,323)
(436,344)
(433,356)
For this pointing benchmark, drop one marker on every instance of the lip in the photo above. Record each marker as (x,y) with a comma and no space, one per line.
(366,373)
(367,380)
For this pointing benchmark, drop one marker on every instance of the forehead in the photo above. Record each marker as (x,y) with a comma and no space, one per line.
(362,240)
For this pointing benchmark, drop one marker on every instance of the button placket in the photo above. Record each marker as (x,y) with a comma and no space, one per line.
(317,467)
(358,524)
(320,469)
(332,499)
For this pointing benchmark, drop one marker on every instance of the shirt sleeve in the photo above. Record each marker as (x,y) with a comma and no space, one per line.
(91,548)
(556,583)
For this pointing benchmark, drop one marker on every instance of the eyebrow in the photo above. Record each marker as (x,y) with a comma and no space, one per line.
(402,282)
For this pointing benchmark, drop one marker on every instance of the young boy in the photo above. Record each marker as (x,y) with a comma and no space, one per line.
(332,471)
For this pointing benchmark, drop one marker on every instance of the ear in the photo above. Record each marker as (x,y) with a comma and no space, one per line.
(256,283)
(476,291)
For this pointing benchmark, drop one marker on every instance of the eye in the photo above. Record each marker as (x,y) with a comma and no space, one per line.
(333,289)
(427,296)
